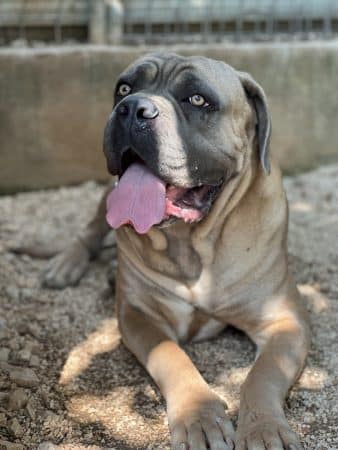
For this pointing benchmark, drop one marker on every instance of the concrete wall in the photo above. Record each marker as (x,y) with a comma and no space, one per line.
(54,103)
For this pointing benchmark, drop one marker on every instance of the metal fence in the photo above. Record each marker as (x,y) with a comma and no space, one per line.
(166,21)
(154,21)
(44,20)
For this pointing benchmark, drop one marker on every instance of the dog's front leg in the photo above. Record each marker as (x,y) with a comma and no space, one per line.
(283,347)
(196,415)
(68,266)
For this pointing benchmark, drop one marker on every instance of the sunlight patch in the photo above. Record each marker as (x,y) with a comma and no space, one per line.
(105,339)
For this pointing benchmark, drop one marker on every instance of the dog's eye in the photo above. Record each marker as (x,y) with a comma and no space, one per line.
(198,100)
(124,89)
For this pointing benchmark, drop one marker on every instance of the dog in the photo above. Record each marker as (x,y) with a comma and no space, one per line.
(201,228)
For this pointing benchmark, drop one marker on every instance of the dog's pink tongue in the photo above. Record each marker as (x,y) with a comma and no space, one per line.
(138,199)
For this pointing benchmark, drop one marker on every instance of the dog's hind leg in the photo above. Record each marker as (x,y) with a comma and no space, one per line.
(68,267)
(69,264)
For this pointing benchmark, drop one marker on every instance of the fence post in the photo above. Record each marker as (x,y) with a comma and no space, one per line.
(97,22)
(115,22)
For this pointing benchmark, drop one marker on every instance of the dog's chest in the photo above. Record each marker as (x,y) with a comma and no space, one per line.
(163,252)
(190,271)
(179,287)
(187,319)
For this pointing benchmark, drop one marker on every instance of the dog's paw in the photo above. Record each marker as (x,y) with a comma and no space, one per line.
(200,425)
(35,248)
(266,433)
(66,268)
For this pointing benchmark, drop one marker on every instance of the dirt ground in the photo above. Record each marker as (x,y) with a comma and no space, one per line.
(66,381)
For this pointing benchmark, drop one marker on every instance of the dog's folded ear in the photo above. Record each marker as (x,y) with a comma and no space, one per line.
(257,96)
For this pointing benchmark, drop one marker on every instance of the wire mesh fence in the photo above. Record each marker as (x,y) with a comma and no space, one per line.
(155,21)
(167,21)
(44,20)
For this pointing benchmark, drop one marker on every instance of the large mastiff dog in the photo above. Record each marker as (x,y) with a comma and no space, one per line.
(201,218)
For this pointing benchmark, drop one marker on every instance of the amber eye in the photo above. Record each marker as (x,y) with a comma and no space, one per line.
(123,90)
(198,100)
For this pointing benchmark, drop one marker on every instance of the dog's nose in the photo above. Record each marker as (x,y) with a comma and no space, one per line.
(146,109)
(139,108)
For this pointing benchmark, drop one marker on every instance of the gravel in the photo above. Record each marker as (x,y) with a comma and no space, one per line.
(66,382)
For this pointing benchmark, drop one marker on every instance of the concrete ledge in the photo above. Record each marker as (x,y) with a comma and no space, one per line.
(54,103)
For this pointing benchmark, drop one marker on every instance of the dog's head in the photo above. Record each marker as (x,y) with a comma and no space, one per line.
(191,122)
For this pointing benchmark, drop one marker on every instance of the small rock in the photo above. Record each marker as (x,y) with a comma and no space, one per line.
(45,397)
(23,356)
(22,328)
(88,436)
(34,330)
(3,420)
(4,396)
(43,364)
(26,258)
(24,377)
(15,428)
(13,293)
(33,346)
(5,366)
(308,418)
(3,329)
(34,361)
(47,446)
(5,445)
(50,415)
(4,353)
(27,294)
(40,316)
(4,384)
(3,333)
(31,410)
(53,405)
(17,400)
(14,344)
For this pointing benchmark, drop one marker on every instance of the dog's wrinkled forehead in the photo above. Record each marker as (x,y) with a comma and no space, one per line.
(159,72)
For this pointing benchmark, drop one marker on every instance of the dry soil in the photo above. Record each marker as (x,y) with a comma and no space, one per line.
(67,382)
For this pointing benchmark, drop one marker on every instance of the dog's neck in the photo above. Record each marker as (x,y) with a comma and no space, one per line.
(184,249)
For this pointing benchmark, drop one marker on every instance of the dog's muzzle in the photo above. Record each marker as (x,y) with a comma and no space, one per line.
(142,197)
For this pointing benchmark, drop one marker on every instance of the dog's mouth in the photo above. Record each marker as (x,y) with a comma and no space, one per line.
(142,199)
(189,204)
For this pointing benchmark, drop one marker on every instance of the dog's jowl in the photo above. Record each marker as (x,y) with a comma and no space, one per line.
(201,227)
